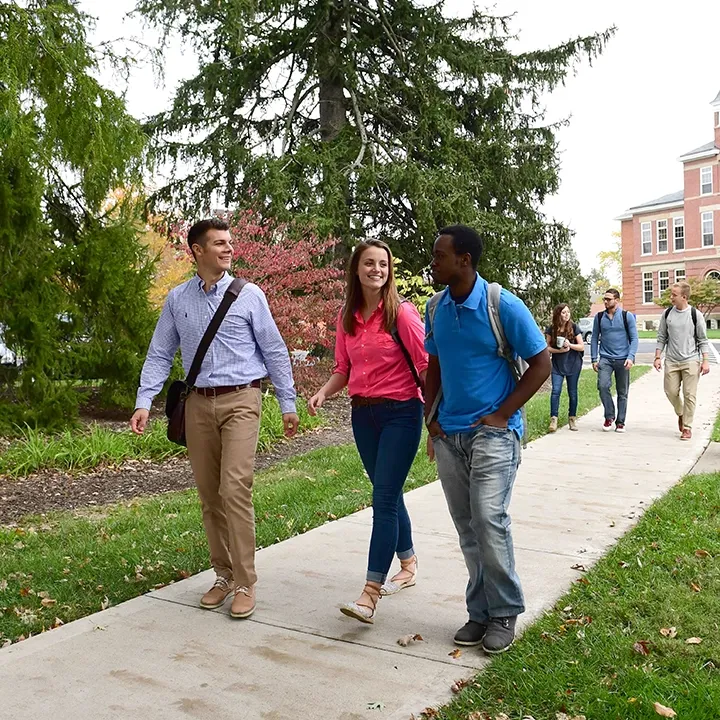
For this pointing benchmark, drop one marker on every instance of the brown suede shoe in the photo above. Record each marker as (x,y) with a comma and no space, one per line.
(215,597)
(243,604)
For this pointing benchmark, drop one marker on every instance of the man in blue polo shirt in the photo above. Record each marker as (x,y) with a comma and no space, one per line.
(615,336)
(476,434)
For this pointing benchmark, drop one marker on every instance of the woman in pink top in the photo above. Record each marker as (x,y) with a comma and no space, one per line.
(387,410)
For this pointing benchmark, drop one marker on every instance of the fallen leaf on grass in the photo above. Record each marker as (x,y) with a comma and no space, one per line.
(3,585)
(624,564)
(583,580)
(478,715)
(48,602)
(375,706)
(670,632)
(693,641)
(105,604)
(565,716)
(702,553)
(58,622)
(664,711)
(695,587)
(455,654)
(641,647)
(405,640)
(502,716)
(6,643)
(458,685)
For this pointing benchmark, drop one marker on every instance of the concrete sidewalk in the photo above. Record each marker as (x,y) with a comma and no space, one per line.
(159,656)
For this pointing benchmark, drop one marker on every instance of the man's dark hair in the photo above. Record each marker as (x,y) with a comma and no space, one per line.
(196,234)
(615,293)
(465,240)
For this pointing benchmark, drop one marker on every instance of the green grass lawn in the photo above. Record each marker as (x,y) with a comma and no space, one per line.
(640,628)
(75,451)
(70,564)
(652,334)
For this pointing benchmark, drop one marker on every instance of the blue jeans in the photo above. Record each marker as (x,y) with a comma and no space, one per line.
(387,437)
(572,386)
(477,471)
(606,368)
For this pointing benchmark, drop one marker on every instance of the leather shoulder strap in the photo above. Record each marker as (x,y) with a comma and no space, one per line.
(229,298)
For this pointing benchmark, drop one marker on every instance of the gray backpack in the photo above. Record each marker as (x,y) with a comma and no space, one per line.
(517,365)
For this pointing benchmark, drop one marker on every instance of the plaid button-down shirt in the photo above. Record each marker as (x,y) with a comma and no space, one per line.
(247,346)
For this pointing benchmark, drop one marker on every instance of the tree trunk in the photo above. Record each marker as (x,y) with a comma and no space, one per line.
(333,117)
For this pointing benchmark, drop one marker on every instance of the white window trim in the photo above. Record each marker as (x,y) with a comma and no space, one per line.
(642,253)
(683,278)
(660,279)
(702,194)
(702,231)
(652,291)
(657,237)
(684,238)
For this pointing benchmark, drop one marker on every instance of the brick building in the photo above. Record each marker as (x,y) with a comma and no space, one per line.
(676,236)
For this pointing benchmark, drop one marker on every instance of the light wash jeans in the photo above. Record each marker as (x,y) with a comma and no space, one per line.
(477,471)
(606,368)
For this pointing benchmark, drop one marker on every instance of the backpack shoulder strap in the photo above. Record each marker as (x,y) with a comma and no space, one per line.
(667,312)
(432,309)
(693,313)
(625,322)
(598,321)
(493,302)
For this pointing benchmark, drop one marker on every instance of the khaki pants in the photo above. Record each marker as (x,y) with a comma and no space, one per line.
(685,374)
(222,434)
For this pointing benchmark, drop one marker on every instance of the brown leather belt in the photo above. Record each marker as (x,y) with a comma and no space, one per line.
(215,391)
(359,401)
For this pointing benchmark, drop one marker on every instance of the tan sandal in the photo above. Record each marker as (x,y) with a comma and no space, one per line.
(404,579)
(360,611)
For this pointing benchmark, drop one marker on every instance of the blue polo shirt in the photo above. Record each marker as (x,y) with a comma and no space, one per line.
(475,379)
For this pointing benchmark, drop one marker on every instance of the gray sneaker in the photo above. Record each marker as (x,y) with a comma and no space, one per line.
(471,633)
(500,634)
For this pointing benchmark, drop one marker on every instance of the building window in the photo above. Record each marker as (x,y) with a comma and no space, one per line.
(708,236)
(646,235)
(679,275)
(706,181)
(663,280)
(713,275)
(662,239)
(647,288)
(679,233)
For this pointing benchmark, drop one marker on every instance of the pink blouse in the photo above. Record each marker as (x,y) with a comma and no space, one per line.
(373,361)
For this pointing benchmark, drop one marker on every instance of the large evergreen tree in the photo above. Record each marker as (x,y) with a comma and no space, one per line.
(371,117)
(73,294)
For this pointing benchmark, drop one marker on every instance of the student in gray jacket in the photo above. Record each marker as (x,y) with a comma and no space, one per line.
(682,335)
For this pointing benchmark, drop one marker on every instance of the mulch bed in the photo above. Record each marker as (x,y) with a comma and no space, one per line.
(52,490)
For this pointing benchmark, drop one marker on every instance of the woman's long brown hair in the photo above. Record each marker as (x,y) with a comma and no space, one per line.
(560,328)
(354,297)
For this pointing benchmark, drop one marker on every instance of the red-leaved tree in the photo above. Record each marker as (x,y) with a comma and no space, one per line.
(303,283)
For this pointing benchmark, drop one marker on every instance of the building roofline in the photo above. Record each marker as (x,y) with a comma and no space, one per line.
(695,155)
(645,209)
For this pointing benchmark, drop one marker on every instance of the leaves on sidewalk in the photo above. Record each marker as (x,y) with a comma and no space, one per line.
(375,706)
(455,654)
(405,640)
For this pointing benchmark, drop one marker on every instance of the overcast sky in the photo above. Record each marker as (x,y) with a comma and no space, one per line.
(643,103)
